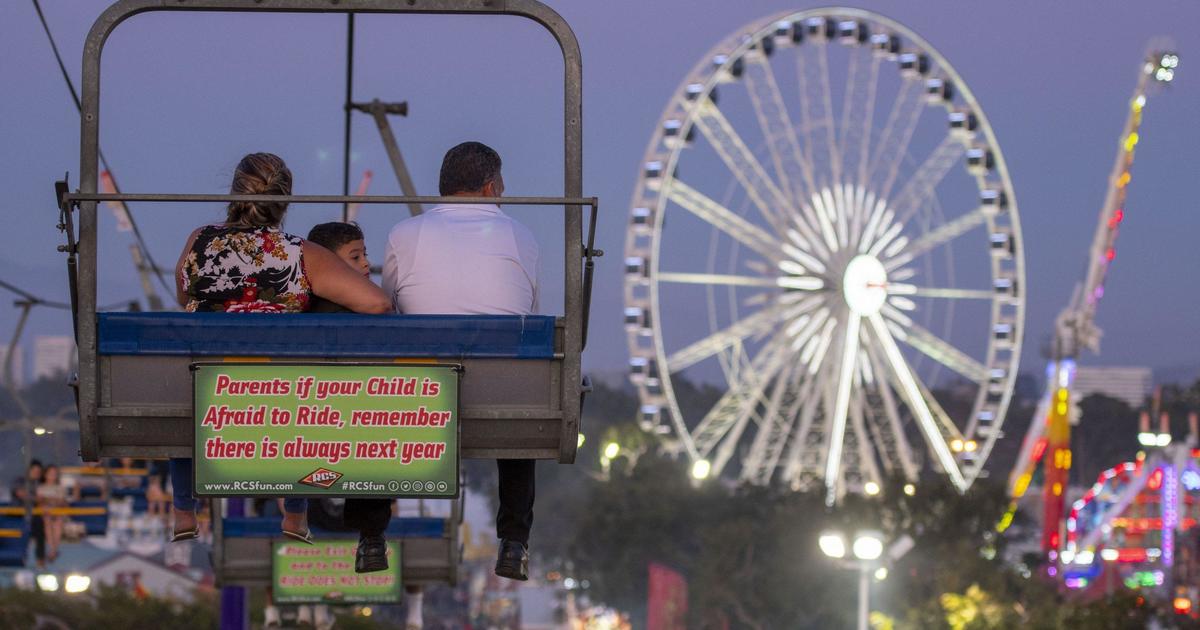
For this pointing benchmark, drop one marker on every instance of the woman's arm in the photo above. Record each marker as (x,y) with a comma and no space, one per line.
(334,280)
(181,295)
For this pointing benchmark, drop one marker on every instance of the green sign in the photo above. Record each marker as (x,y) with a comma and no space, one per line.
(277,429)
(324,574)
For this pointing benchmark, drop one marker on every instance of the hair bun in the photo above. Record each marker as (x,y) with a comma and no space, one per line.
(260,174)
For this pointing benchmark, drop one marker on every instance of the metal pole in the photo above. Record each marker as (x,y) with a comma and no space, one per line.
(235,615)
(10,382)
(379,111)
(346,108)
(864,584)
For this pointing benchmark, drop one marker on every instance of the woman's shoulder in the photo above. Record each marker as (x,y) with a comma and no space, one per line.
(205,232)
(292,238)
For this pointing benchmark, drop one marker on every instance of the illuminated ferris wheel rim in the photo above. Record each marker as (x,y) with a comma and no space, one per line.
(678,122)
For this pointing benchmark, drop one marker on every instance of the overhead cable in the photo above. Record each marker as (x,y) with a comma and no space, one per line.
(137,233)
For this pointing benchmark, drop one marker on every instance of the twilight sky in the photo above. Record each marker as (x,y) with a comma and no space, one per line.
(186,94)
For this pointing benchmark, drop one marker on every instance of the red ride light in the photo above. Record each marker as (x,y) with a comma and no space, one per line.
(1182,605)
(1155,480)
(1131,555)
(1039,449)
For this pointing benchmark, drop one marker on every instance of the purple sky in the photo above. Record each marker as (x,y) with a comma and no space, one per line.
(185,95)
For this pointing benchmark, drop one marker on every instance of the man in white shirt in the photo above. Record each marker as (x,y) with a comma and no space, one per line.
(474,260)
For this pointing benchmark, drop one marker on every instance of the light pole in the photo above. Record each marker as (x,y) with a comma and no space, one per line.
(867,548)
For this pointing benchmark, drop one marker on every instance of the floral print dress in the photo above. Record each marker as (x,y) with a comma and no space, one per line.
(246,270)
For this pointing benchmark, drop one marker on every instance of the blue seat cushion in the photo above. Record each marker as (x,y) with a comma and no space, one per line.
(268,527)
(326,335)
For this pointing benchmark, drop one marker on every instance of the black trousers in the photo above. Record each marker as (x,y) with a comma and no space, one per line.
(515,517)
(37,531)
(369,516)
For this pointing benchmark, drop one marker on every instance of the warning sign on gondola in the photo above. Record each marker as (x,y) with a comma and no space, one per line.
(327,429)
(324,574)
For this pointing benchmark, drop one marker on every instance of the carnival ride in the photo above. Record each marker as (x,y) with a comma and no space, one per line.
(828,280)
(521,392)
(1048,439)
(1136,525)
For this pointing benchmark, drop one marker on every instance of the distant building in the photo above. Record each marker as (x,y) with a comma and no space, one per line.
(144,576)
(18,366)
(53,356)
(1130,384)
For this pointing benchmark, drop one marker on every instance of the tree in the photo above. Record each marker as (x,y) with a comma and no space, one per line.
(104,608)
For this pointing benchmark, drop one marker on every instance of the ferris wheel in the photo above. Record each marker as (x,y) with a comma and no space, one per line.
(822,195)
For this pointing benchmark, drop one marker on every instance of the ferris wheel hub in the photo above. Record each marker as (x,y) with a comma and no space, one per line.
(864,285)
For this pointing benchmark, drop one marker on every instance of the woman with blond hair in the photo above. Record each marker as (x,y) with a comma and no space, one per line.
(246,264)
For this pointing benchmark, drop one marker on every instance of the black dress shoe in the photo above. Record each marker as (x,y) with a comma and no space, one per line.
(513,561)
(371,555)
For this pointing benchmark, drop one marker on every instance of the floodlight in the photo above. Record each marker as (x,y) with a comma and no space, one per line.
(833,544)
(868,545)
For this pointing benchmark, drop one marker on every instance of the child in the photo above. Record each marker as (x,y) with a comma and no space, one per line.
(345,240)
(369,516)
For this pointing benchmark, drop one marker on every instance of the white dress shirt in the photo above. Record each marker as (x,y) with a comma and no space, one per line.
(462,259)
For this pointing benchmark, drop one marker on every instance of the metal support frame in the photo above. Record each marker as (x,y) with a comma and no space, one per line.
(379,111)
(572,173)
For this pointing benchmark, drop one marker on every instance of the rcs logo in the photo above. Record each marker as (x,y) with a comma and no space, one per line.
(321,478)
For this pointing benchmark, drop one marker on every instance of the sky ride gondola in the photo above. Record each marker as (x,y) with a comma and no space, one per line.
(521,389)
(132,382)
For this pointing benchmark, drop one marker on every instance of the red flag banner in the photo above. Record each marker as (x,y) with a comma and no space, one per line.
(120,212)
(667,606)
(352,209)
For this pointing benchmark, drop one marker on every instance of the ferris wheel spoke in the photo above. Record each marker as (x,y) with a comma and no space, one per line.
(950,431)
(952,294)
(740,161)
(841,405)
(800,389)
(816,112)
(776,123)
(774,428)
(901,123)
(735,407)
(895,426)
(717,279)
(834,157)
(938,236)
(911,392)
(918,190)
(867,468)
(941,351)
(858,109)
(724,219)
(808,441)
(823,207)
(751,326)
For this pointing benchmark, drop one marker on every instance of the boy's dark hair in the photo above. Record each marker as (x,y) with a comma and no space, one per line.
(333,235)
(467,167)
